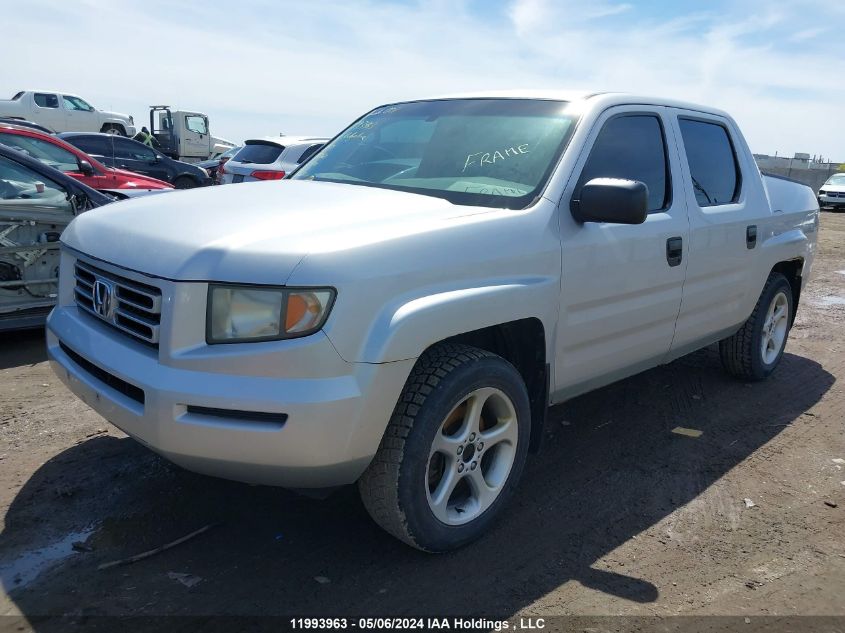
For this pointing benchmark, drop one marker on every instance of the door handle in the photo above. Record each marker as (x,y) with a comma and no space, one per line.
(751,236)
(674,250)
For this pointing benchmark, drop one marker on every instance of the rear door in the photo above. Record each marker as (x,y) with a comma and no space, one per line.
(722,221)
(48,111)
(621,290)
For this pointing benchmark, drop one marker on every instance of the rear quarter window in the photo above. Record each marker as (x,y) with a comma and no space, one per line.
(259,153)
(308,153)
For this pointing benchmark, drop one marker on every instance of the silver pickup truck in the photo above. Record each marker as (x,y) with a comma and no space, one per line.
(401,311)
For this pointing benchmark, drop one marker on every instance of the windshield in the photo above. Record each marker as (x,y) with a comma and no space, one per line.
(484,152)
(836,179)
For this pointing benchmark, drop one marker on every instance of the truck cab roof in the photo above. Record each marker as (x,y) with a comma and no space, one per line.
(606,99)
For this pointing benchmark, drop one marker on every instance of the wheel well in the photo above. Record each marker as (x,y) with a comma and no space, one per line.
(116,126)
(523,344)
(791,269)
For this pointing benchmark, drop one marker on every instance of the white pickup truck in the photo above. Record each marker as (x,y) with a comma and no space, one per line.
(403,310)
(64,112)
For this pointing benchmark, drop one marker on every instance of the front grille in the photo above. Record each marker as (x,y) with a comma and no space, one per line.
(132,307)
(121,386)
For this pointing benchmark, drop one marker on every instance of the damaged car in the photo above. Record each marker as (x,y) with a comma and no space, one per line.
(36,203)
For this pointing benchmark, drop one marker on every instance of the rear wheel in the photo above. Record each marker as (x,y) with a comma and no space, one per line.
(453,451)
(185,182)
(755,350)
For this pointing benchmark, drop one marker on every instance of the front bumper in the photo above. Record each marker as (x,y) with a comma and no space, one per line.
(831,201)
(336,411)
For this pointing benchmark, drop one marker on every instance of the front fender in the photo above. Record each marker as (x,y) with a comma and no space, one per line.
(406,327)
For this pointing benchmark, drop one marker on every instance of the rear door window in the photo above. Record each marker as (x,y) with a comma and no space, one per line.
(259,152)
(631,146)
(96,145)
(45,100)
(712,162)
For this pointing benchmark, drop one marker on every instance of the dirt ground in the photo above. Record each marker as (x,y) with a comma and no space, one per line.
(616,516)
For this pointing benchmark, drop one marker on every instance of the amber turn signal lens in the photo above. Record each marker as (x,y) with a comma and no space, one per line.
(305,310)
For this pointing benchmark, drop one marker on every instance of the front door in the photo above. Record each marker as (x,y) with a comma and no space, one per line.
(621,284)
(79,115)
(194,139)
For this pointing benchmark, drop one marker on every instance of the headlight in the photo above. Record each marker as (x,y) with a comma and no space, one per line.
(250,313)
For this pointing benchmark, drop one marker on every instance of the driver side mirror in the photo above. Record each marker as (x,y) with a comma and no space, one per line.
(86,168)
(613,200)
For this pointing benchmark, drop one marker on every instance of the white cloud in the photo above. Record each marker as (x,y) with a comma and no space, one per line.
(260,67)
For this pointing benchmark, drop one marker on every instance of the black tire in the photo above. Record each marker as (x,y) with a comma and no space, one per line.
(185,182)
(113,128)
(394,486)
(742,354)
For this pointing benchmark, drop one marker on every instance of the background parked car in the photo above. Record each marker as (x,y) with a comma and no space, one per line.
(36,203)
(270,158)
(125,153)
(213,164)
(56,153)
(832,192)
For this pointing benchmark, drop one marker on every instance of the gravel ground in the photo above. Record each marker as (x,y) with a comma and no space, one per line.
(616,516)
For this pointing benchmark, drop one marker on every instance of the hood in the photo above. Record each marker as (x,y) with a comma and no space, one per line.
(250,233)
(138,181)
(114,115)
(838,188)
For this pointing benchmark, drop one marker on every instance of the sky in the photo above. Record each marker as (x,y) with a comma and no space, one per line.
(261,67)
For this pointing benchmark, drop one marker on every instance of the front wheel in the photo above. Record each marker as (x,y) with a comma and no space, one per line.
(453,451)
(111,128)
(755,350)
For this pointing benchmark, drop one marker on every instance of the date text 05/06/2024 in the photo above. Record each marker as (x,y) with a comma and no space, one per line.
(444,624)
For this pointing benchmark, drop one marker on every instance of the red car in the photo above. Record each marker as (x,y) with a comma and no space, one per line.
(65,157)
